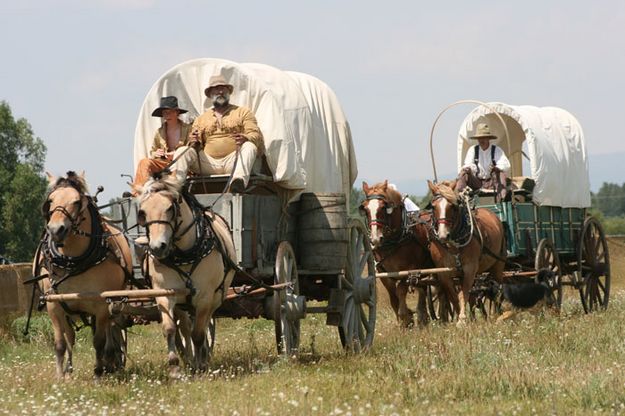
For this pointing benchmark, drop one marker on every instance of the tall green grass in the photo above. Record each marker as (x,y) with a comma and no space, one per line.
(571,364)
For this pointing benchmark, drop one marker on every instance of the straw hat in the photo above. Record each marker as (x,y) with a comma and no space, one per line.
(483,132)
(216,81)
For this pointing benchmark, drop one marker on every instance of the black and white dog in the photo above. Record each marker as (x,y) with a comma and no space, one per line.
(533,296)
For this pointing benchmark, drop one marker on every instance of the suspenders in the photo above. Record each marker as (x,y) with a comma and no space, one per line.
(476,155)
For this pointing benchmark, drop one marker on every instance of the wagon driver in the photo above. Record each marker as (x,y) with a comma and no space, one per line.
(485,165)
(219,131)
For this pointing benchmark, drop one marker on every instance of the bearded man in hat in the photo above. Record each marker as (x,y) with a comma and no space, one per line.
(172,134)
(220,131)
(485,165)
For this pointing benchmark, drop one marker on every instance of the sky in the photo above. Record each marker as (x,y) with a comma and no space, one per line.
(78,71)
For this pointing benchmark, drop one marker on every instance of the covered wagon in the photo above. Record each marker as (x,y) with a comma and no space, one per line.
(294,241)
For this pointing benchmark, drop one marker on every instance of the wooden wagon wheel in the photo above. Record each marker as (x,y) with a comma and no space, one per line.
(357,326)
(547,259)
(287,309)
(593,262)
(439,306)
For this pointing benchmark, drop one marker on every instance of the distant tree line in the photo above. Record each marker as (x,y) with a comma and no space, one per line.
(610,199)
(22,187)
(608,204)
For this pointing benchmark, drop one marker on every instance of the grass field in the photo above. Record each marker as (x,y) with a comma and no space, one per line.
(571,364)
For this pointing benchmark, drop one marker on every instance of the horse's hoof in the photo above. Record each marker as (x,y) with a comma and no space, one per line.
(98,372)
(175,373)
(110,369)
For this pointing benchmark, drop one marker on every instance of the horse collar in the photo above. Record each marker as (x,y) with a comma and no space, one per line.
(96,252)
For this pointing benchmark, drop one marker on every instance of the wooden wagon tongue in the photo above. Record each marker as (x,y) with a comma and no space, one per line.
(152,293)
(427,272)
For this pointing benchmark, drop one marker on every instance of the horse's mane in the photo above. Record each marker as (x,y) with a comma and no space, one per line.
(392,195)
(71,180)
(446,189)
(165,185)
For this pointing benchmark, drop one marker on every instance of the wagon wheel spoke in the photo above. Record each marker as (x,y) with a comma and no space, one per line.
(594,266)
(598,245)
(287,322)
(363,320)
(361,265)
(359,308)
(346,283)
(547,258)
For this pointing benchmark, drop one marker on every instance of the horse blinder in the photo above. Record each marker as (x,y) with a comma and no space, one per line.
(362,210)
(141,218)
(45,210)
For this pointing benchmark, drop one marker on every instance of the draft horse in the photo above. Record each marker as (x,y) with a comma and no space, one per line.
(398,243)
(471,240)
(80,252)
(190,248)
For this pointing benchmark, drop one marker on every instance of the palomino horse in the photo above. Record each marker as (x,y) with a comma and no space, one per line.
(187,248)
(398,243)
(80,252)
(473,240)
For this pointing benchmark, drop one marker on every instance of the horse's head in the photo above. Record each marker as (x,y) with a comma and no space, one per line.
(159,213)
(445,210)
(65,204)
(382,207)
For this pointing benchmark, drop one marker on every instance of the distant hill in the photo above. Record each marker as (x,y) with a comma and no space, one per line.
(602,167)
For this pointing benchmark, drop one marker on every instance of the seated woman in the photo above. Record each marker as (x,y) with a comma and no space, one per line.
(172,134)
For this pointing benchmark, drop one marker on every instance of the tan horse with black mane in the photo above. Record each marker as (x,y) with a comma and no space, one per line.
(80,252)
(187,248)
(472,240)
(398,243)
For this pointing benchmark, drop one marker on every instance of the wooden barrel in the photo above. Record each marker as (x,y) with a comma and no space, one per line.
(322,231)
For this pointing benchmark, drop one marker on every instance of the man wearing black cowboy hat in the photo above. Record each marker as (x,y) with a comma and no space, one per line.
(172,134)
(485,165)
(220,131)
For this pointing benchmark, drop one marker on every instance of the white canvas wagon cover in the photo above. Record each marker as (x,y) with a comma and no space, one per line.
(306,135)
(555,144)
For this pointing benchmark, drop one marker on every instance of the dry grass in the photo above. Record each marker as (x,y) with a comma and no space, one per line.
(572,364)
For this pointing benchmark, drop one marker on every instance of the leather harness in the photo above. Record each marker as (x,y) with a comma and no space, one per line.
(399,236)
(61,267)
(206,240)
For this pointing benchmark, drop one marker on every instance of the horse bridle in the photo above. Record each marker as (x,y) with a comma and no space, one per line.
(459,235)
(174,227)
(442,220)
(176,235)
(74,221)
(385,223)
